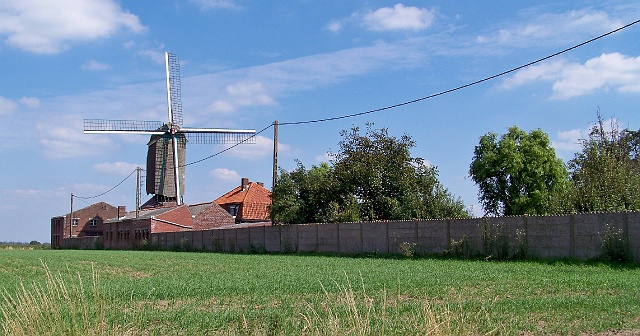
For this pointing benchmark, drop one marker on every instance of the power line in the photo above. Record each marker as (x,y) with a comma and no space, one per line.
(462,86)
(106,192)
(432,95)
(396,105)
(224,150)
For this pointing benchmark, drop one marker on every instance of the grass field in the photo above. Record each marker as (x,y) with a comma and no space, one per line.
(135,292)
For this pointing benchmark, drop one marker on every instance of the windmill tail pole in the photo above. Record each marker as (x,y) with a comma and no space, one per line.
(176,169)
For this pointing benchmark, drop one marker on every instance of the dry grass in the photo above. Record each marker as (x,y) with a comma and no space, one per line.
(63,306)
(354,312)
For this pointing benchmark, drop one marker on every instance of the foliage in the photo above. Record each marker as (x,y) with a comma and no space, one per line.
(606,173)
(615,245)
(371,177)
(518,173)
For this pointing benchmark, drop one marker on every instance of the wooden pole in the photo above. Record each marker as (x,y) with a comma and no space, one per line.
(275,154)
(138,169)
(71,217)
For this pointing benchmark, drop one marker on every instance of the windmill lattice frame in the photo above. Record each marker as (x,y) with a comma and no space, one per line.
(167,144)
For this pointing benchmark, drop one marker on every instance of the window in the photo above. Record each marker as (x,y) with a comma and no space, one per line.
(233,210)
(74,222)
(93,222)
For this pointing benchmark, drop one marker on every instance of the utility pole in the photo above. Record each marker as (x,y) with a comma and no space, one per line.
(138,169)
(71,217)
(275,154)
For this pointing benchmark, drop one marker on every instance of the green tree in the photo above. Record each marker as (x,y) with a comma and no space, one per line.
(606,173)
(518,173)
(378,171)
(371,177)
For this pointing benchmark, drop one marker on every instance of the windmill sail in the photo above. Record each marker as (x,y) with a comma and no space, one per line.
(167,146)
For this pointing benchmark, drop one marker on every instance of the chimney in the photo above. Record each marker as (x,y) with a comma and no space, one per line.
(244,184)
(122,210)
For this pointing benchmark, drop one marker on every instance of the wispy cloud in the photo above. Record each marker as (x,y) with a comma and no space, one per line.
(216,4)
(552,28)
(262,148)
(9,106)
(49,27)
(612,71)
(119,168)
(64,139)
(94,65)
(242,94)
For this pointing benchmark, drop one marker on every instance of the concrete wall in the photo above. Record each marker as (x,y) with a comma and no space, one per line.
(578,236)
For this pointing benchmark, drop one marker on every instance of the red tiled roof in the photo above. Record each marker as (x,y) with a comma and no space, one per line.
(254,201)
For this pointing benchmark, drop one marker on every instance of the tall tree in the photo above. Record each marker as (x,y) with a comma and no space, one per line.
(371,177)
(518,174)
(606,173)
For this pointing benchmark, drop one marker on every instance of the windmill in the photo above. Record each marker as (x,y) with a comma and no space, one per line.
(167,145)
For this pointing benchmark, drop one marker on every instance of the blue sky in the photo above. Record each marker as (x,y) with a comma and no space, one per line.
(245,64)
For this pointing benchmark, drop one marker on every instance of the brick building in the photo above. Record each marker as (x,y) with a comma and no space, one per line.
(134,230)
(86,222)
(249,202)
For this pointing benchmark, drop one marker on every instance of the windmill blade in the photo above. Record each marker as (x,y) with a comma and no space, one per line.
(122,126)
(174,88)
(220,137)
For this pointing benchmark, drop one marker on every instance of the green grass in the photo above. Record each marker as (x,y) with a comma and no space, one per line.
(137,292)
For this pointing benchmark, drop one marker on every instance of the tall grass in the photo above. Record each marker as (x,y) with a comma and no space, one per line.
(355,312)
(160,293)
(64,305)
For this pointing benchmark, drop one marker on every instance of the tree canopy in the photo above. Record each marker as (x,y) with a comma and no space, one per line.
(371,177)
(606,173)
(518,173)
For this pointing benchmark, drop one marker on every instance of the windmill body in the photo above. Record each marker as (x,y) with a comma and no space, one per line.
(167,146)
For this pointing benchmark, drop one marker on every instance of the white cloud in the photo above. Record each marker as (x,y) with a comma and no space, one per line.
(7,106)
(30,102)
(612,71)
(263,147)
(570,140)
(216,4)
(49,27)
(552,28)
(334,26)
(242,94)
(64,138)
(156,56)
(95,66)
(224,175)
(119,168)
(398,17)
(326,157)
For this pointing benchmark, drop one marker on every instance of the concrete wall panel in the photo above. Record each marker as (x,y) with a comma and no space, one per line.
(432,237)
(328,238)
(350,238)
(243,243)
(289,238)
(272,238)
(308,238)
(375,237)
(402,235)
